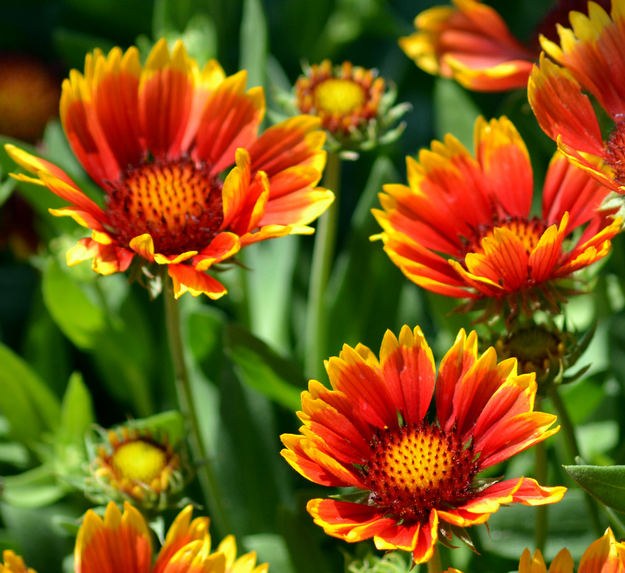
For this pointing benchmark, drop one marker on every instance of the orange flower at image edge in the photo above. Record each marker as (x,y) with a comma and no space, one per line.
(476,213)
(13,563)
(155,139)
(418,478)
(124,543)
(603,556)
(592,58)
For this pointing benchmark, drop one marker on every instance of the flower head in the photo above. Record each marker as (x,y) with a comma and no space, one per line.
(156,139)
(415,478)
(476,213)
(352,103)
(13,563)
(471,43)
(122,542)
(135,465)
(590,58)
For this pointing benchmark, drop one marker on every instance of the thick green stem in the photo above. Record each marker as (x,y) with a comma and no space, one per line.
(434,564)
(208,483)
(570,439)
(541,471)
(323,257)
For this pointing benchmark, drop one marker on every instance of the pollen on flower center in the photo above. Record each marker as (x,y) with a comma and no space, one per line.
(529,231)
(417,468)
(179,203)
(139,460)
(615,152)
(336,95)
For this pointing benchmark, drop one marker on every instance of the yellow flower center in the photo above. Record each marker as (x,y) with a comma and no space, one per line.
(418,468)
(140,461)
(177,202)
(336,95)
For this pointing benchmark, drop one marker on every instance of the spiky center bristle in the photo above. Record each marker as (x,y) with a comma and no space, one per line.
(418,468)
(179,203)
(336,95)
(615,152)
(139,460)
(529,232)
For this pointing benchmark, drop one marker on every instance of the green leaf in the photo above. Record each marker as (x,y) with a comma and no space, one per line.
(172,423)
(263,369)
(34,488)
(253,43)
(604,483)
(25,401)
(77,409)
(454,112)
(75,314)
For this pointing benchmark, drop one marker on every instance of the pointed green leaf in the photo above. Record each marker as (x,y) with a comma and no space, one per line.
(25,401)
(77,409)
(34,488)
(253,43)
(454,112)
(604,483)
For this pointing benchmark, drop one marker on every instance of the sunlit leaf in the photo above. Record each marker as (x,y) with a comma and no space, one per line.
(604,483)
(77,409)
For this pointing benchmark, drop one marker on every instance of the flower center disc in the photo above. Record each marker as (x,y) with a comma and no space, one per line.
(418,468)
(615,152)
(529,231)
(336,95)
(177,202)
(140,461)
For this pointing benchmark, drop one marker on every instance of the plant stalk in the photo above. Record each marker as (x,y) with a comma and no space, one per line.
(434,564)
(210,489)
(323,257)
(570,439)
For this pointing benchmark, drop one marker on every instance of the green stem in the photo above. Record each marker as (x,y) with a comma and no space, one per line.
(434,564)
(541,471)
(570,439)
(323,257)
(208,483)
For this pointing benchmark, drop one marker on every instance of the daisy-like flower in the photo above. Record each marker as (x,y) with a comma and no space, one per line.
(476,214)
(603,556)
(592,59)
(156,140)
(471,43)
(13,563)
(416,478)
(134,465)
(352,103)
(122,542)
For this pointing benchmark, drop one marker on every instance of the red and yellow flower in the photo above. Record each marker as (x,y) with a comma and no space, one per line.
(417,478)
(590,58)
(463,228)
(471,43)
(13,563)
(122,542)
(352,102)
(156,139)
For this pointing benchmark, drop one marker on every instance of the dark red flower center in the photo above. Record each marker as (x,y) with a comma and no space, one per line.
(615,152)
(179,203)
(529,231)
(418,468)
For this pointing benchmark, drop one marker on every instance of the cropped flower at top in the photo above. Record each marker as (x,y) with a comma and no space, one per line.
(416,479)
(471,43)
(476,213)
(591,58)
(124,543)
(156,140)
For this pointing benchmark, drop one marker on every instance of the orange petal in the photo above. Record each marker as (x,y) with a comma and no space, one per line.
(602,556)
(187,279)
(165,98)
(545,255)
(298,208)
(223,246)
